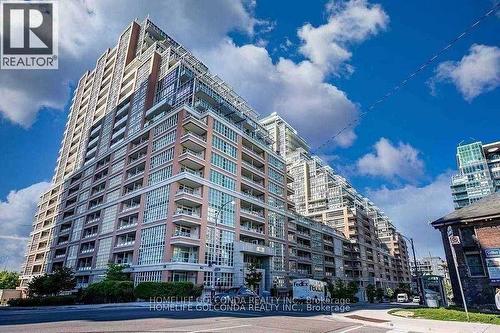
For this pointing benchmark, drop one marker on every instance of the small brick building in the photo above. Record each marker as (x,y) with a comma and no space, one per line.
(478,250)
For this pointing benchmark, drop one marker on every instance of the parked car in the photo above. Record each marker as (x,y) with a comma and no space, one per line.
(237,294)
(402,298)
(416,299)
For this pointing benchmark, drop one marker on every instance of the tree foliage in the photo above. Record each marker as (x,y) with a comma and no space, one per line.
(253,277)
(9,280)
(62,279)
(370,293)
(341,290)
(115,273)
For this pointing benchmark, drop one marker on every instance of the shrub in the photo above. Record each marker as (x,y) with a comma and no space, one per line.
(41,301)
(146,290)
(109,292)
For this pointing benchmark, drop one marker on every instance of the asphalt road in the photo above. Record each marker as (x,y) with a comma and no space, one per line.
(141,319)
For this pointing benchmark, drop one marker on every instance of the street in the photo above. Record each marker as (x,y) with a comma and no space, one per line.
(141,319)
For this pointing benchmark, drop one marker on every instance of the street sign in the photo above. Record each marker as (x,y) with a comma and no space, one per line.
(454,240)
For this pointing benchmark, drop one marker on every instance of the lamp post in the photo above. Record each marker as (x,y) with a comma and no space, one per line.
(417,270)
(213,263)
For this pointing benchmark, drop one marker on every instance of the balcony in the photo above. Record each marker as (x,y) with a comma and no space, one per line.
(185,236)
(187,216)
(198,173)
(253,167)
(188,196)
(192,159)
(163,106)
(193,141)
(194,125)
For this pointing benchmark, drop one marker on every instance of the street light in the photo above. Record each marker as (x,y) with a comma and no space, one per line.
(417,270)
(216,244)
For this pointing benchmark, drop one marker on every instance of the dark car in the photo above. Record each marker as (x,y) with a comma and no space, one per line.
(238,294)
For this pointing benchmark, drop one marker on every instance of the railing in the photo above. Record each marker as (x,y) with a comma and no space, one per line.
(253,212)
(127,243)
(192,152)
(185,190)
(190,259)
(193,172)
(189,212)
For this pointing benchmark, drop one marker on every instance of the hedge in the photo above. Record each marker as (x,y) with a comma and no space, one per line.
(41,301)
(146,290)
(109,291)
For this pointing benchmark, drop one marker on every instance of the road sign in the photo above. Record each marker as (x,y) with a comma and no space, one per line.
(454,240)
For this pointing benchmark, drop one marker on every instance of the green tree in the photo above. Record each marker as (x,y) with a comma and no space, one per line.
(115,273)
(370,293)
(253,277)
(62,279)
(341,290)
(9,280)
(389,292)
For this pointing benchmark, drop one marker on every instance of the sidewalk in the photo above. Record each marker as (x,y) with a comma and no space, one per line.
(380,318)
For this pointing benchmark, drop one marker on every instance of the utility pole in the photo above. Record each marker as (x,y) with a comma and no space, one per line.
(417,269)
(454,240)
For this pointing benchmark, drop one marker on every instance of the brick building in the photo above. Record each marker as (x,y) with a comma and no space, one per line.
(478,251)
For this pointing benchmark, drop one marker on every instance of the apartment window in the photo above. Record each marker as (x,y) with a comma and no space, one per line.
(152,245)
(164,141)
(275,202)
(225,246)
(224,146)
(162,158)
(216,199)
(274,161)
(277,176)
(222,180)
(223,163)
(278,260)
(276,189)
(475,264)
(152,276)
(276,224)
(103,253)
(102,162)
(222,280)
(156,204)
(109,217)
(160,175)
(225,131)
(166,125)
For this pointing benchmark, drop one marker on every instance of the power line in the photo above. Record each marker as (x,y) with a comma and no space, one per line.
(405,81)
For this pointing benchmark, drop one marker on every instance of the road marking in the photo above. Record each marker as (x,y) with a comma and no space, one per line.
(351,329)
(219,328)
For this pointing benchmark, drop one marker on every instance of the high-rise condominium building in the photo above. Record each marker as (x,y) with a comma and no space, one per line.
(478,172)
(163,167)
(379,253)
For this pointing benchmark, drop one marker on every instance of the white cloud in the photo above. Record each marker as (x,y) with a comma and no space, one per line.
(87,28)
(412,208)
(349,22)
(16,218)
(297,91)
(476,73)
(392,161)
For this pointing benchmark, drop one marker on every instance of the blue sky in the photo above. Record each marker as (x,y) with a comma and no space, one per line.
(401,154)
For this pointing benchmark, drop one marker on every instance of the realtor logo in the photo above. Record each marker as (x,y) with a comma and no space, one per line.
(29,35)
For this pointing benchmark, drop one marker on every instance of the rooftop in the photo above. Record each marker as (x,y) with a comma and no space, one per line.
(487,207)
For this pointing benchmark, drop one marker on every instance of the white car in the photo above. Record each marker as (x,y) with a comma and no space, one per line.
(402,298)
(416,299)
